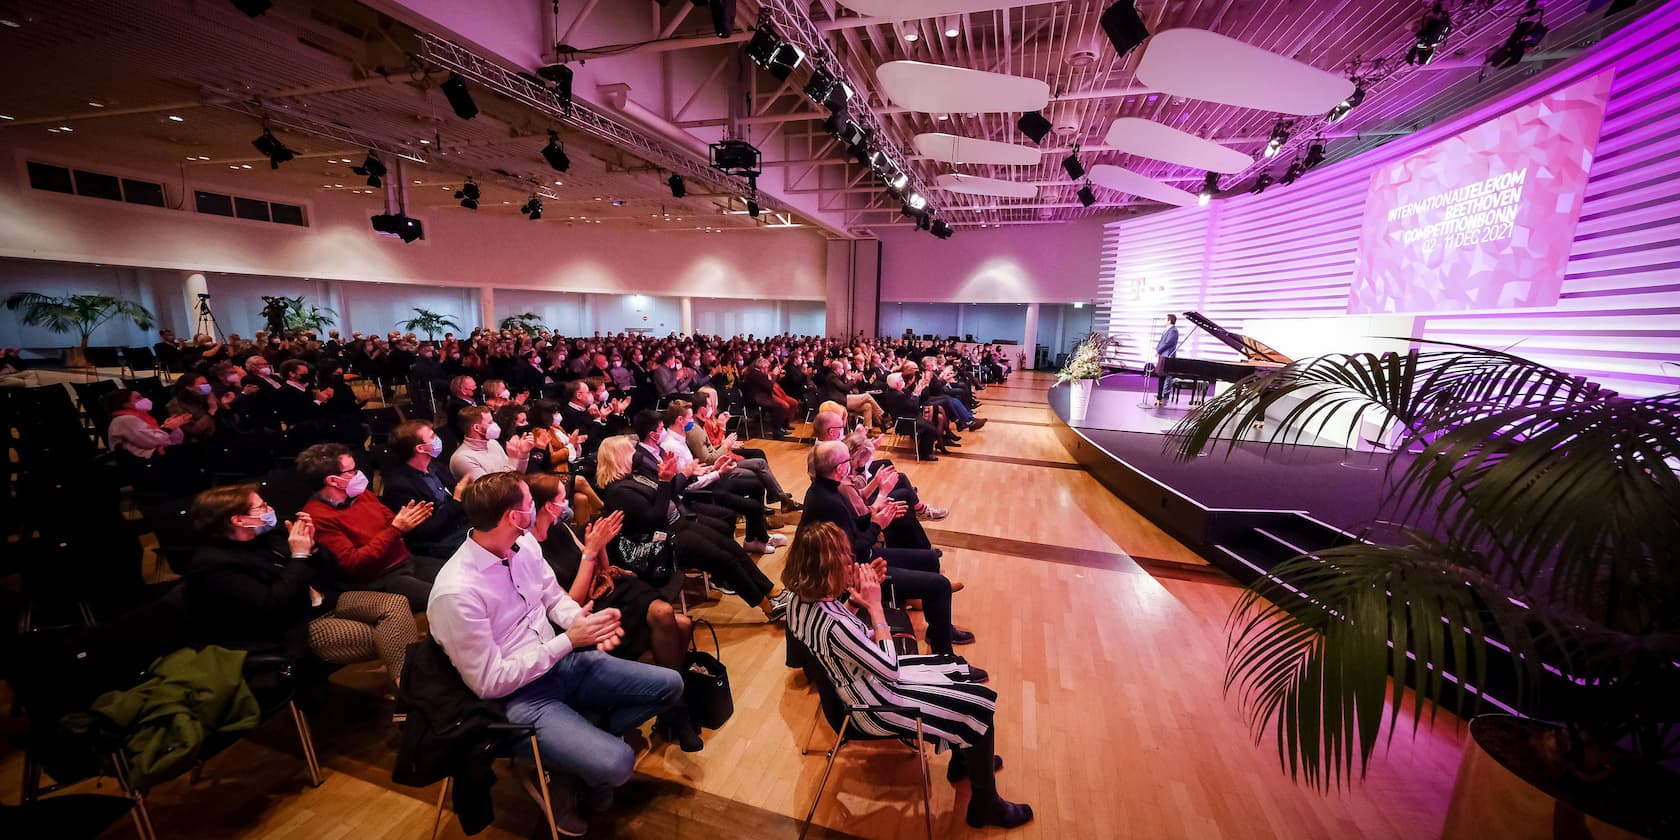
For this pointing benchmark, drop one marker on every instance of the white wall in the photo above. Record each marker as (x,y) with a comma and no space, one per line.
(59,280)
(1056,263)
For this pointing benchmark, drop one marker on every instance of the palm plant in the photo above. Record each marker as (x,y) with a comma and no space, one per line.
(1536,510)
(525,322)
(83,314)
(301,317)
(429,322)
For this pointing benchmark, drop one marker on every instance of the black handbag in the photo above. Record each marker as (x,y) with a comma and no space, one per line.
(652,560)
(706,684)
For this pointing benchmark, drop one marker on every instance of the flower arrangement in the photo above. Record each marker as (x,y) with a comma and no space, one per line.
(1086,362)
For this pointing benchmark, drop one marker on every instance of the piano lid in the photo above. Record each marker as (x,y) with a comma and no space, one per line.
(1252,350)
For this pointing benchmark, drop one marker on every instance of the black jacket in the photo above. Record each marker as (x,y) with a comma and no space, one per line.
(898,403)
(254,595)
(446,529)
(833,386)
(646,504)
(824,503)
(450,731)
(756,388)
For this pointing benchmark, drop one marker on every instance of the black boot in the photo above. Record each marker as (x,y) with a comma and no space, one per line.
(677,726)
(957,770)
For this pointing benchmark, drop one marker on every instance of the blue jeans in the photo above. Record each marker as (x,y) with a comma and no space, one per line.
(589,682)
(954,409)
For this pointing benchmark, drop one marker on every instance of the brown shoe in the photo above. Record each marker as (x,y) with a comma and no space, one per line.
(977,424)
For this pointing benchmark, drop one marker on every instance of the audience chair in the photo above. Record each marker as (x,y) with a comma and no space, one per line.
(915,433)
(104,357)
(140,359)
(838,713)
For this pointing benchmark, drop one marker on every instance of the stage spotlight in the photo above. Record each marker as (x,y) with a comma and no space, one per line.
(924,221)
(916,202)
(1261,183)
(1619,6)
(468,194)
(852,135)
(1280,136)
(1528,34)
(455,90)
(1431,33)
(830,92)
(1294,171)
(1315,155)
(1034,125)
(784,60)
(678,188)
(532,208)
(1087,196)
(371,169)
(752,206)
(1210,188)
(762,46)
(253,8)
(555,153)
(399,225)
(1124,26)
(1346,106)
(862,153)
(560,76)
(737,157)
(271,147)
(1072,166)
(940,229)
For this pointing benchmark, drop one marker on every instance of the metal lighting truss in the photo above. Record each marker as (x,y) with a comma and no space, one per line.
(287,119)
(532,94)
(794,25)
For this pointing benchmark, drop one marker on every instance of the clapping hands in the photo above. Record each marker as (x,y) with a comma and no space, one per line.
(300,535)
(601,629)
(520,446)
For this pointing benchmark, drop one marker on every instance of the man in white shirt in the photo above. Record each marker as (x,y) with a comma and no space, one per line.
(494,608)
(480,452)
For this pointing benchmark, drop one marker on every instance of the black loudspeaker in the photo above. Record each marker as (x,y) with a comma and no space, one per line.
(1034,125)
(723,17)
(1124,26)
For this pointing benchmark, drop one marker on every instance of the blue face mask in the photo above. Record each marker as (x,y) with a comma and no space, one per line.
(203,388)
(689,426)
(269,520)
(437,446)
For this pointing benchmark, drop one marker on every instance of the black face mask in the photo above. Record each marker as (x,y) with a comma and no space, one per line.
(520,429)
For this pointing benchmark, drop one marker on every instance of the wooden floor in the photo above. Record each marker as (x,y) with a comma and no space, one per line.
(1104,638)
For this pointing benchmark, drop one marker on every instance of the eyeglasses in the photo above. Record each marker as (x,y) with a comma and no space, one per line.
(259,511)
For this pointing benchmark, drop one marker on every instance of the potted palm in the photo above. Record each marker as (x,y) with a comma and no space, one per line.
(529,323)
(429,322)
(1083,369)
(1538,514)
(82,314)
(307,317)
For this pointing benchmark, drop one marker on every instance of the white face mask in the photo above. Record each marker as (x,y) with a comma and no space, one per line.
(493,432)
(142,404)
(357,485)
(436,447)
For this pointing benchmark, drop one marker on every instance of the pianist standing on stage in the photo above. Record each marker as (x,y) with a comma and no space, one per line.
(1165,349)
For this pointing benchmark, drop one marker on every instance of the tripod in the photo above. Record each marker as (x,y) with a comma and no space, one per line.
(207,324)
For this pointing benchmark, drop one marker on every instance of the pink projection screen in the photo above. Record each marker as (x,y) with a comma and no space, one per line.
(1485,220)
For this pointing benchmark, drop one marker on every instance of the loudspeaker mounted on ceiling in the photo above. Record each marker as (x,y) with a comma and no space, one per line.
(1124,26)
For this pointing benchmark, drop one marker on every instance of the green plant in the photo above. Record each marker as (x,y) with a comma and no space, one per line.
(311,318)
(429,322)
(1086,361)
(525,322)
(82,314)
(1535,508)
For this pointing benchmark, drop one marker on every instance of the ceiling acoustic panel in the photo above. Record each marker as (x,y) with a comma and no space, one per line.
(941,89)
(1199,64)
(975,185)
(1127,181)
(1153,140)
(949,148)
(900,9)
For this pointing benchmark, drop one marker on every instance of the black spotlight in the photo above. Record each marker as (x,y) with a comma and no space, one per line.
(1346,106)
(1528,34)
(1294,171)
(371,169)
(1034,125)
(560,76)
(784,60)
(532,208)
(762,46)
(253,8)
(1261,183)
(723,16)
(1210,188)
(273,149)
(1124,26)
(400,225)
(1315,155)
(940,229)
(1280,136)
(752,206)
(829,92)
(468,194)
(1072,166)
(678,188)
(555,153)
(1431,33)
(455,90)
(852,135)
(737,157)
(1087,196)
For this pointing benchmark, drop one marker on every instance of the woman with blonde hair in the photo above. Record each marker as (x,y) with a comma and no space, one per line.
(858,657)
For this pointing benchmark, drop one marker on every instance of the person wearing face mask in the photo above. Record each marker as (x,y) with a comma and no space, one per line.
(422,477)
(262,393)
(495,611)
(256,586)
(671,380)
(481,449)
(623,379)
(191,396)
(364,536)
(134,432)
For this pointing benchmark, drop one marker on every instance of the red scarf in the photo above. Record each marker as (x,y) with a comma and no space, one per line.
(147,418)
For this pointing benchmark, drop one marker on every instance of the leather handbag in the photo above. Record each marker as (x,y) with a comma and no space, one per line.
(706,689)
(652,559)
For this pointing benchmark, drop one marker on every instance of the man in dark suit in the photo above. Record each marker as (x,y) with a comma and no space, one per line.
(898,402)
(757,389)
(649,428)
(423,477)
(914,573)
(299,403)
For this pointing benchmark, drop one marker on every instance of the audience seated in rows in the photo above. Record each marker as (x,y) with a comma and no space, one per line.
(366,538)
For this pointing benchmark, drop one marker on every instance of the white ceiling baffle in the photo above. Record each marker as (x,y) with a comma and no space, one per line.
(1199,64)
(941,89)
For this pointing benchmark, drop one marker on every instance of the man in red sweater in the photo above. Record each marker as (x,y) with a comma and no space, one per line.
(364,536)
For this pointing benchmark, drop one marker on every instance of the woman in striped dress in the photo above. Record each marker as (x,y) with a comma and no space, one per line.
(860,661)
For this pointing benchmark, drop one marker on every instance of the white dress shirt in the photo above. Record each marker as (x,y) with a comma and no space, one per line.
(677,445)
(496,620)
(476,457)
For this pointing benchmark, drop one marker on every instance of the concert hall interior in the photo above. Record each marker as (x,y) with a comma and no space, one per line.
(840,418)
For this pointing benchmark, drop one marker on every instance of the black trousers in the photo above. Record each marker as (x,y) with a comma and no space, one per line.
(915,574)
(702,544)
(728,495)
(412,580)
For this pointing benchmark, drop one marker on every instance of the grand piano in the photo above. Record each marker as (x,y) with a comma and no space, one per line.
(1257,358)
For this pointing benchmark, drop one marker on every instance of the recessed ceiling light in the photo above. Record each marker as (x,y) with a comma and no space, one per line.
(416,180)
(177,118)
(558,184)
(94,103)
(425,142)
(597,198)
(944,117)
(66,129)
(7,117)
(338,186)
(9,23)
(203,157)
(233,166)
(244,166)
